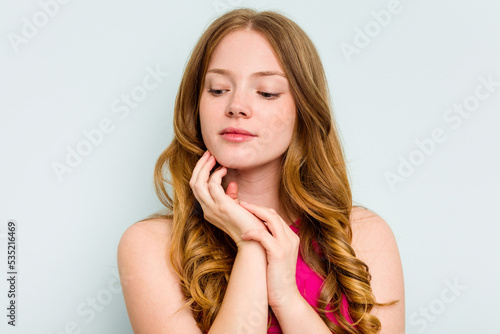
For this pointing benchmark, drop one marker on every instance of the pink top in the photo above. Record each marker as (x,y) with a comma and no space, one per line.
(309,285)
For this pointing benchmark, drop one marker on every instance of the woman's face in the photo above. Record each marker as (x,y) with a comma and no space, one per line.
(247,111)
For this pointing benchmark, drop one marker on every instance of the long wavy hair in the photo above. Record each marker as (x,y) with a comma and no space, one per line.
(314,182)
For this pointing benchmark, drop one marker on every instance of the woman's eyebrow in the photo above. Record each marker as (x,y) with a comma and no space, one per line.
(256,74)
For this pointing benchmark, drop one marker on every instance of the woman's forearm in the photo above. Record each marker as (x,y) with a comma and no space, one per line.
(296,316)
(244,308)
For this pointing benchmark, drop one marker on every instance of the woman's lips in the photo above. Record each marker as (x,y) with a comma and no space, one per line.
(236,134)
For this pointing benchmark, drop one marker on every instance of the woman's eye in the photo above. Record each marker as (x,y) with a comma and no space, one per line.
(215,92)
(269,96)
(265,95)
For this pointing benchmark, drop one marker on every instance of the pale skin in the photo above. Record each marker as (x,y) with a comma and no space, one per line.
(238,198)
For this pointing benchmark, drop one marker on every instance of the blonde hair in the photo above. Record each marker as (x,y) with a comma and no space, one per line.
(314,182)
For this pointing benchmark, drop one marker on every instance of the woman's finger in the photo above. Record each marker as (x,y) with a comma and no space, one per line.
(215,185)
(199,181)
(265,238)
(203,159)
(274,222)
(232,191)
(204,172)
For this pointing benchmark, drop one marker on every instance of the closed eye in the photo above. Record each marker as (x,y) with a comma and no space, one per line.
(265,95)
(269,96)
(215,92)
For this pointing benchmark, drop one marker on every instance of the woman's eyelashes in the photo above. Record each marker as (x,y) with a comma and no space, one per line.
(269,96)
(216,92)
(265,95)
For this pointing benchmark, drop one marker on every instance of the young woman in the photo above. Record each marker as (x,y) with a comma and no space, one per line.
(260,234)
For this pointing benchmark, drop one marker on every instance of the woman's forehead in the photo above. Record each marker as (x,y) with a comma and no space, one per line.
(244,49)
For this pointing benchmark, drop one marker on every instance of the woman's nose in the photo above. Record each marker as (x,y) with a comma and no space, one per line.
(238,106)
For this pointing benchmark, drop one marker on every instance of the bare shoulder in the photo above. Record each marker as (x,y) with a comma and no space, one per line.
(156,231)
(144,243)
(375,244)
(151,290)
(369,229)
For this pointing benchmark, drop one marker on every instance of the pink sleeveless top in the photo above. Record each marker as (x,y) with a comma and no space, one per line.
(309,285)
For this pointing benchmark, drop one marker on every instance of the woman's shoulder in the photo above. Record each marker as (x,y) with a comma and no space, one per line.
(371,235)
(147,231)
(368,227)
(151,290)
(143,243)
(375,244)
(144,238)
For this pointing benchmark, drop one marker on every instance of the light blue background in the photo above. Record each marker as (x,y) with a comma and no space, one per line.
(69,77)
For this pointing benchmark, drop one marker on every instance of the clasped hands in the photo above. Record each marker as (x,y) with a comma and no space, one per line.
(246,222)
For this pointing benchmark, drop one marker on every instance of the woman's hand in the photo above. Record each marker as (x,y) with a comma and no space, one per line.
(282,248)
(222,209)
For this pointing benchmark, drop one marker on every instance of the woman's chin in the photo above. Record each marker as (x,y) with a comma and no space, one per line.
(246,159)
(235,164)
(236,159)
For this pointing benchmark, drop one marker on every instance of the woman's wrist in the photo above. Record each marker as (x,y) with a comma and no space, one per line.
(296,315)
(250,245)
(237,233)
(288,304)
